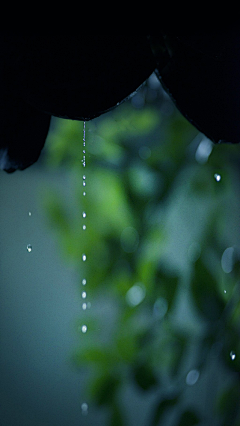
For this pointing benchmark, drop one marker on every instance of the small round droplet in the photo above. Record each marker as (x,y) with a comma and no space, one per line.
(217,177)
(84,329)
(84,215)
(84,282)
(84,227)
(225,291)
(84,408)
(84,257)
(232,355)
(84,177)
(84,306)
(192,377)
(84,295)
(84,193)
(29,248)
(29,213)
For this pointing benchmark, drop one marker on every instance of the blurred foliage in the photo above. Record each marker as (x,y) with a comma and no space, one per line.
(159,224)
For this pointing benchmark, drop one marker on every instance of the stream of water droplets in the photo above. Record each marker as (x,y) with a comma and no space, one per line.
(85,305)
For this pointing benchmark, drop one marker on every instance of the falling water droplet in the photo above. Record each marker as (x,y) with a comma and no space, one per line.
(29,213)
(84,329)
(84,130)
(29,248)
(217,177)
(225,291)
(232,355)
(84,408)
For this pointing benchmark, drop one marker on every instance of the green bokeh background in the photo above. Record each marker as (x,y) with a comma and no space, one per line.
(159,224)
(163,263)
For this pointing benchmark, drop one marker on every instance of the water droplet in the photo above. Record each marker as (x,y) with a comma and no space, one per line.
(29,213)
(84,294)
(84,177)
(84,306)
(84,227)
(84,282)
(225,291)
(217,177)
(84,408)
(192,377)
(84,329)
(136,294)
(84,215)
(84,193)
(84,257)
(232,355)
(29,248)
(227,260)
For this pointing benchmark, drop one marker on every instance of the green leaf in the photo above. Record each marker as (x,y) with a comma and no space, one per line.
(58,215)
(228,405)
(205,292)
(126,345)
(188,418)
(100,357)
(161,408)
(104,389)
(145,377)
(117,417)
(167,284)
